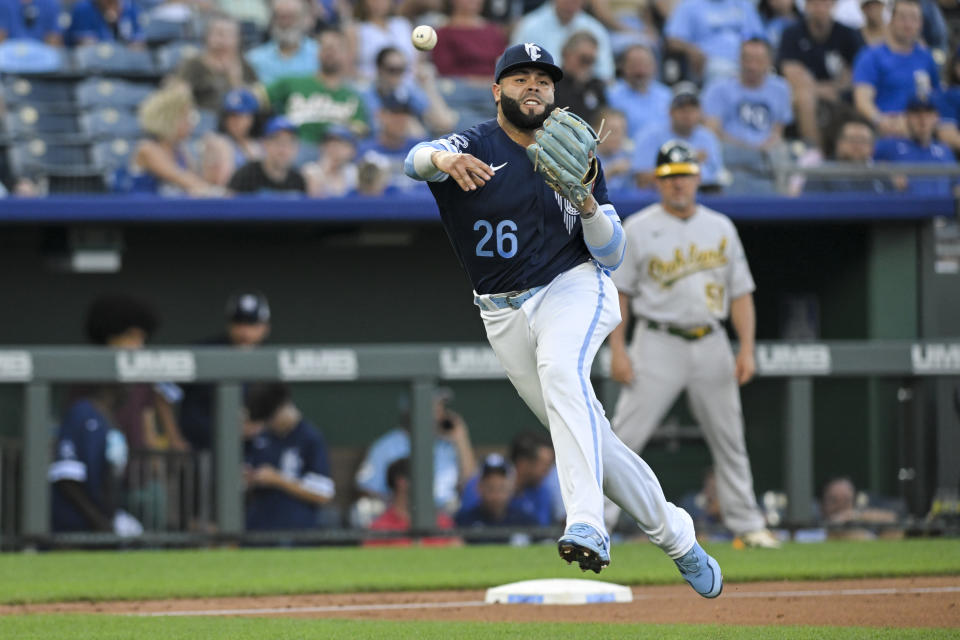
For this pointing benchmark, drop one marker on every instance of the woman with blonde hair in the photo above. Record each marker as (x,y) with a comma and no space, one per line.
(161,163)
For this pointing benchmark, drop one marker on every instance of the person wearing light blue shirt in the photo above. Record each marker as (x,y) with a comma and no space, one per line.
(886,76)
(684,125)
(750,111)
(710,33)
(290,51)
(453,458)
(638,94)
(553,23)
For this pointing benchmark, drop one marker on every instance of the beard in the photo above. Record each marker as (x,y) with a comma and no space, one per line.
(514,113)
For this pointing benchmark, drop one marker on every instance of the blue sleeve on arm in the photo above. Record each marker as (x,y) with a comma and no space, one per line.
(411,170)
(610,254)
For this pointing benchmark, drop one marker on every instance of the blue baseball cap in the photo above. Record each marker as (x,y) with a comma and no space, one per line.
(277,124)
(527,54)
(240,101)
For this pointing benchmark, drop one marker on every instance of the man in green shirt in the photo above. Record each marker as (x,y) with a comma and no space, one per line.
(316,102)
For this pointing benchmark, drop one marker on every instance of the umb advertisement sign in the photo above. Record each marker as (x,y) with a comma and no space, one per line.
(318,364)
(470,363)
(16,366)
(150,366)
(935,358)
(794,359)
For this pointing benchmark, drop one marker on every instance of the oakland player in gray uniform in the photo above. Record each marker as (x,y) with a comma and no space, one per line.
(539,265)
(684,272)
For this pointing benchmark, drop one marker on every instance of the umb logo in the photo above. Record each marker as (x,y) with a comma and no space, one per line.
(470,362)
(808,359)
(318,364)
(533,51)
(935,358)
(16,366)
(175,366)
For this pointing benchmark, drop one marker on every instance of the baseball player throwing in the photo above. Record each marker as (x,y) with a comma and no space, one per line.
(524,202)
(683,273)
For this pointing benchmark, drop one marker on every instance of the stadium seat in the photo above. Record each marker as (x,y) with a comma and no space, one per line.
(29,121)
(158,32)
(109,122)
(111,59)
(50,92)
(169,56)
(109,155)
(38,157)
(104,92)
(29,56)
(306,152)
(206,123)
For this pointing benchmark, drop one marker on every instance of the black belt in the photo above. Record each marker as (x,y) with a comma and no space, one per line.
(691,334)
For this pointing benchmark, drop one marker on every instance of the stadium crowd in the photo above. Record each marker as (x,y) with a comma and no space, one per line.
(213,98)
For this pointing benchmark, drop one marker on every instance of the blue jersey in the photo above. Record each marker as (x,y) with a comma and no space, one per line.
(478,516)
(86,21)
(907,151)
(896,77)
(81,456)
(33,20)
(535,504)
(301,456)
(515,232)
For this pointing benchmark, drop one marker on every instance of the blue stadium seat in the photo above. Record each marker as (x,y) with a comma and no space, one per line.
(110,122)
(50,92)
(157,31)
(112,59)
(104,92)
(108,155)
(40,158)
(29,121)
(206,124)
(307,152)
(169,56)
(29,56)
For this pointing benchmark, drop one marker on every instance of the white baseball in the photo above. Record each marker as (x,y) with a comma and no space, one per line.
(424,37)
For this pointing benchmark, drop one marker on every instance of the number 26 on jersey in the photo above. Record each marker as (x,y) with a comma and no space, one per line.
(503,239)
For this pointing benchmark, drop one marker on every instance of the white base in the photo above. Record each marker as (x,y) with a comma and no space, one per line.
(559,591)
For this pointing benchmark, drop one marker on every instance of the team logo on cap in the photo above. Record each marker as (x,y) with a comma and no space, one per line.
(533,51)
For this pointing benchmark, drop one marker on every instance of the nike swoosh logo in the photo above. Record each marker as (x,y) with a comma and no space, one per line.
(495,169)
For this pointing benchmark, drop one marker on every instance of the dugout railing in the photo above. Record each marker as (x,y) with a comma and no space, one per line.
(423,368)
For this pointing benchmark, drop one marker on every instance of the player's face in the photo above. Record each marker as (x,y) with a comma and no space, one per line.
(247,335)
(525,97)
(678,193)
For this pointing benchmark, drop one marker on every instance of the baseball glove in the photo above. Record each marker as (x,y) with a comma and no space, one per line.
(565,155)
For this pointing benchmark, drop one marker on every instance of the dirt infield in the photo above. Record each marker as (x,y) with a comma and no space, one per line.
(903,602)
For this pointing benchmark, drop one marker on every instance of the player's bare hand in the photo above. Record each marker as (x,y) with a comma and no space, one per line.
(745,367)
(621,370)
(470,172)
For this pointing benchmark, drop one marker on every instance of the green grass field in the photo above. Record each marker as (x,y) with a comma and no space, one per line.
(92,576)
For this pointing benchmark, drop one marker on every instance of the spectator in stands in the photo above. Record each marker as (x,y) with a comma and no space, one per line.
(495,506)
(615,149)
(319,101)
(748,113)
(90,456)
(290,51)
(555,21)
(468,45)
(219,68)
(274,173)
(685,124)
(948,104)
(146,413)
(31,20)
(579,90)
(776,16)
(918,147)
(849,512)
(374,174)
(393,140)
(816,58)
(377,27)
(453,457)
(704,506)
(233,144)
(254,12)
(247,326)
(854,147)
(638,93)
(874,29)
(709,33)
(161,163)
(334,174)
(888,75)
(396,517)
(393,80)
(287,467)
(105,21)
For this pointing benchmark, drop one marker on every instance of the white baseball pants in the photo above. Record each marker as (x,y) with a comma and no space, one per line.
(547,349)
(665,365)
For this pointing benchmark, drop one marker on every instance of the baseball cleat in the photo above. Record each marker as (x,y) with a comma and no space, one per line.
(759,539)
(701,571)
(583,544)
